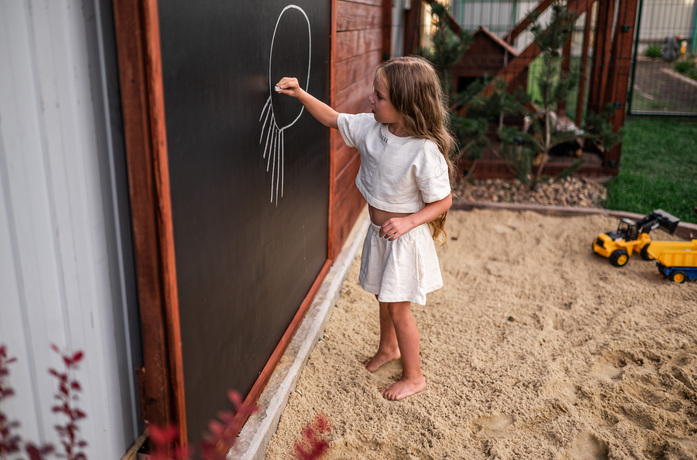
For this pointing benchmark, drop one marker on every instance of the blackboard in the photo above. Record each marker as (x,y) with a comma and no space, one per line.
(249,204)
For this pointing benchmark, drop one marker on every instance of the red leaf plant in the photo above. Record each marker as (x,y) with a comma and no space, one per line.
(9,441)
(314,443)
(220,434)
(164,440)
(68,396)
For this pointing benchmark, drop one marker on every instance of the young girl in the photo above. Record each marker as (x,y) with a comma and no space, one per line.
(405,178)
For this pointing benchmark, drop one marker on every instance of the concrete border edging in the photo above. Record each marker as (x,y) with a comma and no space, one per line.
(685,230)
(256,434)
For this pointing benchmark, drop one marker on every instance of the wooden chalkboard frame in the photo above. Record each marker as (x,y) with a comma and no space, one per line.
(161,379)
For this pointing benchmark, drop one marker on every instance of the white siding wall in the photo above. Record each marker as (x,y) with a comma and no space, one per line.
(66,272)
(664,18)
(659,18)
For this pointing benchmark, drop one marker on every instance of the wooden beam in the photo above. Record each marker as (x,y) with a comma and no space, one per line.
(525,22)
(386,29)
(520,63)
(621,55)
(601,55)
(332,250)
(412,27)
(618,82)
(140,75)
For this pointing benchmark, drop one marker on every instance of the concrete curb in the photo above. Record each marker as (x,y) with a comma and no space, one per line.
(685,230)
(254,438)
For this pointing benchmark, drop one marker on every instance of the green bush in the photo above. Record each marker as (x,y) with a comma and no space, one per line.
(653,51)
(684,67)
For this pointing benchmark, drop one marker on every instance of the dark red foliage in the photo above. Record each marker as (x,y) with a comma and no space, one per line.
(314,443)
(9,441)
(163,436)
(68,395)
(220,434)
(164,440)
(37,453)
(163,443)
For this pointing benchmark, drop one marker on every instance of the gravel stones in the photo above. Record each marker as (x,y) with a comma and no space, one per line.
(571,191)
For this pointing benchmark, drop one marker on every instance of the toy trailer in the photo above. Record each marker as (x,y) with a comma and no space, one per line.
(675,259)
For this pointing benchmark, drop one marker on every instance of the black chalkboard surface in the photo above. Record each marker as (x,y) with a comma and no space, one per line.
(249,178)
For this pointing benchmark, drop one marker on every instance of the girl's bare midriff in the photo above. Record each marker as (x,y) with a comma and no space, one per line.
(379,217)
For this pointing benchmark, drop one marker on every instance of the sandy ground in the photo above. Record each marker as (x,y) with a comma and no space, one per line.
(535,349)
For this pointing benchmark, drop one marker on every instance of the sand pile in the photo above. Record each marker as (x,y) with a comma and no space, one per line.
(535,348)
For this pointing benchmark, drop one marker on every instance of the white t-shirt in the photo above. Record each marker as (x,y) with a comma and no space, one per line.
(397,174)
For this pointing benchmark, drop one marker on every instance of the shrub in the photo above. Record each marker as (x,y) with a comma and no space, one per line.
(653,51)
(684,67)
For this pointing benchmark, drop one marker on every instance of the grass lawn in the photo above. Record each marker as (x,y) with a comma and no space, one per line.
(658,168)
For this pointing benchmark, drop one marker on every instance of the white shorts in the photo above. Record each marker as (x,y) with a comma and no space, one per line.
(402,270)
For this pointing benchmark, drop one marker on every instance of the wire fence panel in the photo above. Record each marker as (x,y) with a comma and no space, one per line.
(661,84)
(664,78)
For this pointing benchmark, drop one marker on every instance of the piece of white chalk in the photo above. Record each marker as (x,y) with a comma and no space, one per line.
(278,90)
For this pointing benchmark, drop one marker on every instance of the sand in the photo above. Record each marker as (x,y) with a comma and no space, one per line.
(535,349)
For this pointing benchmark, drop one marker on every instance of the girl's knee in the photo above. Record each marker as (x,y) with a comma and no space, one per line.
(399,309)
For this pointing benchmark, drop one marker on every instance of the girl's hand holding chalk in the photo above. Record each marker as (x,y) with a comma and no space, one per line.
(289,86)
(318,109)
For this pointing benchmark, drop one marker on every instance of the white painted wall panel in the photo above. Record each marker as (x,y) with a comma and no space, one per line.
(661,18)
(31,218)
(64,230)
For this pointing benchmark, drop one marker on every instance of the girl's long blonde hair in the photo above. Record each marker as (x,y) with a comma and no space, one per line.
(415,91)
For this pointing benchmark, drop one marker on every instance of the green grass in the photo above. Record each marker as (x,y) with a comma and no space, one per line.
(658,168)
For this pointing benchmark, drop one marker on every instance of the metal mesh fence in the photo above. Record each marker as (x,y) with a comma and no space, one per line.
(659,84)
(664,77)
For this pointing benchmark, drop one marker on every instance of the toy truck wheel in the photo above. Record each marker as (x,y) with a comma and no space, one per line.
(645,253)
(677,276)
(619,257)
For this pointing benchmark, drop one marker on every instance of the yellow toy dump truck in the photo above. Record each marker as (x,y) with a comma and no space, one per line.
(632,236)
(675,259)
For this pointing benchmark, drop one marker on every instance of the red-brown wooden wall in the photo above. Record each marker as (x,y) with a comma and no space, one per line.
(357,50)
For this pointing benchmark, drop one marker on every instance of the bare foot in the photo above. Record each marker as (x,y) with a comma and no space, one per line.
(403,388)
(379,359)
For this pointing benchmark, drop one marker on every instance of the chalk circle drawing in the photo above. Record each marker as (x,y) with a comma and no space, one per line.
(286,58)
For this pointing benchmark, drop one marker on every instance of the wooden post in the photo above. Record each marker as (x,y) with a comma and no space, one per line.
(140,73)
(386,29)
(601,55)
(619,78)
(412,27)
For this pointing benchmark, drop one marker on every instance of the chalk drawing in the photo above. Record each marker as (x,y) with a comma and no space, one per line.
(274,150)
